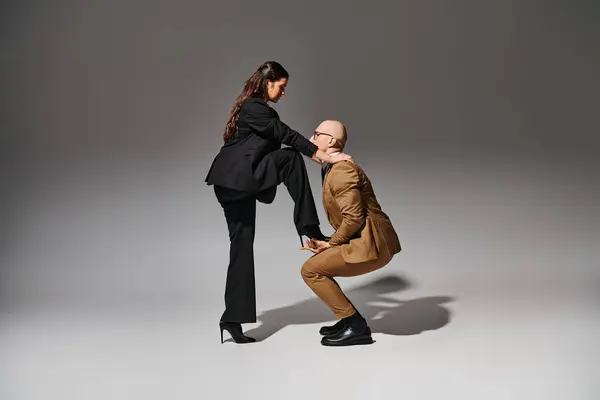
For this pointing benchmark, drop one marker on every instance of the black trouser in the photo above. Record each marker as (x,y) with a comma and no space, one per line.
(281,166)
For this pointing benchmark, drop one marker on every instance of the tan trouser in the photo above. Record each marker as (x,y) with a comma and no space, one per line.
(319,270)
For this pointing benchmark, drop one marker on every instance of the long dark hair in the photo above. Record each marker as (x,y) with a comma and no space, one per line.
(255,86)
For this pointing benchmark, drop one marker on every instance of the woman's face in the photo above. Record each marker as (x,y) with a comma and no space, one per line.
(276,89)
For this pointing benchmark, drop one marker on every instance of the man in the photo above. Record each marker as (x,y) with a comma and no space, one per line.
(364,240)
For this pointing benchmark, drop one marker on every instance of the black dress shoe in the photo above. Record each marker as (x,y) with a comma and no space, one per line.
(332,329)
(350,335)
(235,330)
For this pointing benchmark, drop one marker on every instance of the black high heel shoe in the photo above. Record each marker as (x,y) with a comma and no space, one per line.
(235,330)
(313,232)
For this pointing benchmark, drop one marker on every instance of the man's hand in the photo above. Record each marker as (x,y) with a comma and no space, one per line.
(316,246)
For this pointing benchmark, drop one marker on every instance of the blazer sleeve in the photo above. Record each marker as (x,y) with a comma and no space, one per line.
(265,122)
(346,192)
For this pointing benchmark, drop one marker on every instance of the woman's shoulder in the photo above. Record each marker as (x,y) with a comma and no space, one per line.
(256,100)
(257,105)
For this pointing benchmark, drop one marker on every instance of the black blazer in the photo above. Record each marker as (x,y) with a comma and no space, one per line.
(260,131)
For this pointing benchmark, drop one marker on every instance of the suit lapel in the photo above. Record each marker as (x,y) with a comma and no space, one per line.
(324,170)
(327,196)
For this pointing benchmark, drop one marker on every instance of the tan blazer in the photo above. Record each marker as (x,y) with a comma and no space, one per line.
(363,230)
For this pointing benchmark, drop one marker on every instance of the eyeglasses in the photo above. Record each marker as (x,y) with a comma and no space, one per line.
(316,134)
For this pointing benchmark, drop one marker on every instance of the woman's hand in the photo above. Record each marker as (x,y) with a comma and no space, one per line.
(339,157)
(316,246)
(322,156)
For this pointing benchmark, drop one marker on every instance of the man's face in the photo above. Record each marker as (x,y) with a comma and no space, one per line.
(322,140)
(330,134)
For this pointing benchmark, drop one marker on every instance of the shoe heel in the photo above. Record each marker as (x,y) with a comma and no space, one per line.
(235,331)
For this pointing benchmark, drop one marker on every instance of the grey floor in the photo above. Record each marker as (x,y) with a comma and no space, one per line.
(432,342)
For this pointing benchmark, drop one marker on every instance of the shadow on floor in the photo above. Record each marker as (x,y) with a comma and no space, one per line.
(384,314)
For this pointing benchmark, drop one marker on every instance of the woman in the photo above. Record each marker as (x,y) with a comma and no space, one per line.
(249,167)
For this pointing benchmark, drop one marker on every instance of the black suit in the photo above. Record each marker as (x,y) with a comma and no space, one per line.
(249,167)
(260,132)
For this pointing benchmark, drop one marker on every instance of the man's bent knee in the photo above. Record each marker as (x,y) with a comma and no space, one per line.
(308,271)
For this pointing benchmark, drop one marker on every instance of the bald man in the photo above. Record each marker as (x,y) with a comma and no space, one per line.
(364,239)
